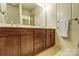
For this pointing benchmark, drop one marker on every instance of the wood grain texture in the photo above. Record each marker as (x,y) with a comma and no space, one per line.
(26,45)
(39,47)
(9,46)
(50,38)
(25,41)
(39,40)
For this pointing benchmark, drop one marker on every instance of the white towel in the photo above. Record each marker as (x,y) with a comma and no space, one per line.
(63,28)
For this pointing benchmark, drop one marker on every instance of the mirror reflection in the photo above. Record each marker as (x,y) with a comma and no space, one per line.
(27,14)
(12,13)
(33,14)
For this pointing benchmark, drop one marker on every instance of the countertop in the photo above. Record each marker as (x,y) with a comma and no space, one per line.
(23,26)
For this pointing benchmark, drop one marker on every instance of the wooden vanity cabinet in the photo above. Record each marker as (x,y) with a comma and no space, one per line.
(16,41)
(9,42)
(50,37)
(39,40)
(25,41)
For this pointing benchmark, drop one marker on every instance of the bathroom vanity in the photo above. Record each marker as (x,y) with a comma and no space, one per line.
(16,41)
(26,28)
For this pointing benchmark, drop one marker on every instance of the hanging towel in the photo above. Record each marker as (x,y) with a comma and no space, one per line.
(63,28)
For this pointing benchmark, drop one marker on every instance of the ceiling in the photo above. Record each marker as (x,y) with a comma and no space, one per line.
(13,4)
(29,6)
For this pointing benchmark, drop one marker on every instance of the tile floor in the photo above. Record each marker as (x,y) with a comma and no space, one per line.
(49,52)
(71,51)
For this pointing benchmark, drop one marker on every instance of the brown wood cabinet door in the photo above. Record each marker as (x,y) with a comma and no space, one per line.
(26,45)
(2,46)
(39,40)
(39,47)
(9,46)
(39,36)
(50,38)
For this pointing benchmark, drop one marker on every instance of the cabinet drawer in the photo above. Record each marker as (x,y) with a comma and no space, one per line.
(39,30)
(51,30)
(20,31)
(39,35)
(39,38)
(39,47)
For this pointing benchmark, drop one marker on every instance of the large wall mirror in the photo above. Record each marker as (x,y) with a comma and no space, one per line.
(33,14)
(28,14)
(12,13)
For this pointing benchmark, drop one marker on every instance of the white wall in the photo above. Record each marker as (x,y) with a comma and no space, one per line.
(51,15)
(75,25)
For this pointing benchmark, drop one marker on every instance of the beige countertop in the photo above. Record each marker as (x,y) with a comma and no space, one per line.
(23,26)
